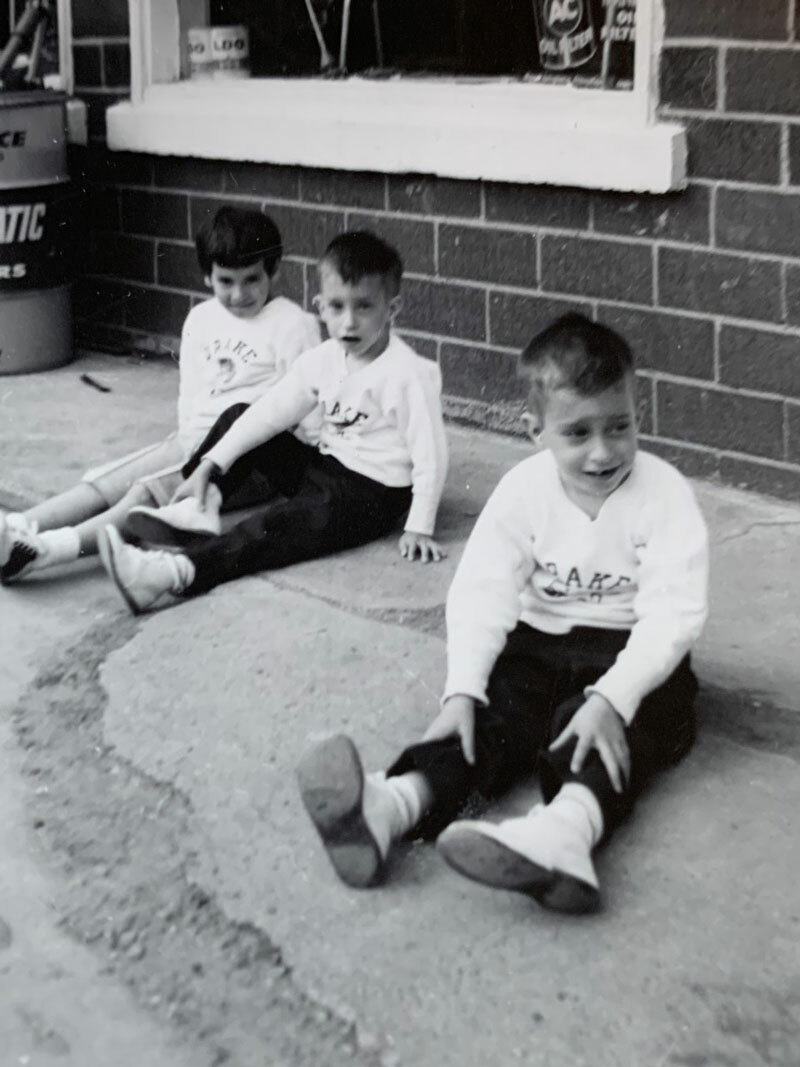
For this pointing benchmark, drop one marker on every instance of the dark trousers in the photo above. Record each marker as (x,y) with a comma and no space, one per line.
(534,691)
(313,506)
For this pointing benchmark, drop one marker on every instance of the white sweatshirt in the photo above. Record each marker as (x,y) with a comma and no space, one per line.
(533,555)
(383,420)
(226,360)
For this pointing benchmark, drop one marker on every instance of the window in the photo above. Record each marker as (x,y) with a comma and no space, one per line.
(54,64)
(463,88)
(558,41)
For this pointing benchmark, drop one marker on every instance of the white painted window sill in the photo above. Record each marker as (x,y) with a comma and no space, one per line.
(492,130)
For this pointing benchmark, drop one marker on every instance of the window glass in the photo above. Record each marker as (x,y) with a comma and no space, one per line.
(583,42)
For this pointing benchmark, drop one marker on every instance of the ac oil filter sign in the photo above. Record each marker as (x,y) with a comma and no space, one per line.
(588,43)
(37,236)
(566,31)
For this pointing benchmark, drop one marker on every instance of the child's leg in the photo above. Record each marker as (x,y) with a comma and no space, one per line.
(30,551)
(274,467)
(661,733)
(358,816)
(333,509)
(547,854)
(88,531)
(48,534)
(509,731)
(77,503)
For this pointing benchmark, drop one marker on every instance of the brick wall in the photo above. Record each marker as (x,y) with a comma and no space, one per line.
(705,283)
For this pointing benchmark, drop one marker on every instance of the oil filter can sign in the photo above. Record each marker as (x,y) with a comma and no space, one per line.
(586,43)
(37,236)
(566,32)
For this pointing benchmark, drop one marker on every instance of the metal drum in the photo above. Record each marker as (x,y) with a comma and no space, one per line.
(37,233)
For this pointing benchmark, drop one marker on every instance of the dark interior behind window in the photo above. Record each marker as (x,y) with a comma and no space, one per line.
(472,38)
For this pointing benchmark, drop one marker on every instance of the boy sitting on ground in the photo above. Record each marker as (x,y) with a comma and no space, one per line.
(234,346)
(570,619)
(381,451)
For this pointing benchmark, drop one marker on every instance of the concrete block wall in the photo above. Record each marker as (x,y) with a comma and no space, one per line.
(705,283)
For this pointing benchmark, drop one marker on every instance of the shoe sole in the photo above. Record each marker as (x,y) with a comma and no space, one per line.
(149,530)
(106,553)
(331,781)
(489,862)
(18,563)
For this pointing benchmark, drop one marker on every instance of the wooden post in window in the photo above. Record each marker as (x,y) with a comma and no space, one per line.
(154,44)
(345,35)
(65,69)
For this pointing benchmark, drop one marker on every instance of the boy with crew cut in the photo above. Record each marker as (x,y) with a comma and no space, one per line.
(234,346)
(570,619)
(381,450)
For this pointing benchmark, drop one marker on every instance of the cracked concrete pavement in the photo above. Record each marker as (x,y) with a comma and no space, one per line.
(155,847)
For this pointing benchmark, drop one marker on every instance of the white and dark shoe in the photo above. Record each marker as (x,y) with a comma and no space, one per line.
(177,525)
(355,815)
(541,854)
(21,548)
(143,577)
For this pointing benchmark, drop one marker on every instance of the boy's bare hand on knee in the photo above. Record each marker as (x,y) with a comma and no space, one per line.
(456,719)
(412,543)
(596,724)
(196,485)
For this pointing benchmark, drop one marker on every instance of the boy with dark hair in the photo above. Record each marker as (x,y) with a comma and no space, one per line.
(381,451)
(234,346)
(570,619)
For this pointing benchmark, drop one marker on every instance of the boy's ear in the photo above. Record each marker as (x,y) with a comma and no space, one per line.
(207,280)
(316,303)
(533,425)
(395,304)
(641,410)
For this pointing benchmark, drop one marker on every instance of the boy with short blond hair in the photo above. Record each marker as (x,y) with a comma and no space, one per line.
(381,453)
(570,619)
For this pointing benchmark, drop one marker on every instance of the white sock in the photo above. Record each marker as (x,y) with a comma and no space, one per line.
(413,795)
(407,797)
(61,546)
(578,804)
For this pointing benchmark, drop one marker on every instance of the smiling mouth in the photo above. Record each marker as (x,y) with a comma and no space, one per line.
(609,472)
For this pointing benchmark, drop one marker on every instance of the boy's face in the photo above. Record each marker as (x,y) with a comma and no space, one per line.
(359,315)
(592,439)
(242,290)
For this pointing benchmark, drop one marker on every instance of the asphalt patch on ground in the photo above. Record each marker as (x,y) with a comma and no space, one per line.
(749,718)
(122,845)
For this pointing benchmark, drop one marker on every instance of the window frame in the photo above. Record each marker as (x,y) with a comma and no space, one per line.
(492,128)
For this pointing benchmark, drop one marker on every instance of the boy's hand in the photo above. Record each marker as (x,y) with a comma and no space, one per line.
(196,485)
(411,543)
(456,719)
(597,725)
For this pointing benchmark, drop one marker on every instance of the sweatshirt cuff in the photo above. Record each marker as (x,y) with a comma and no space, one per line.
(468,683)
(218,455)
(422,515)
(624,704)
